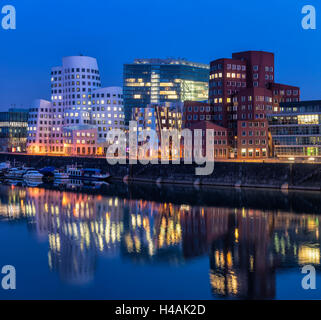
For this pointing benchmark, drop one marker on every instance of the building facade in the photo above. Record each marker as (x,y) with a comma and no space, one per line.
(13,130)
(220,140)
(164,116)
(154,81)
(77,101)
(194,112)
(40,126)
(107,110)
(296,130)
(72,85)
(253,139)
(243,88)
(81,140)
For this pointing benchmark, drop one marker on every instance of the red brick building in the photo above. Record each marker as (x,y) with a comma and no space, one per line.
(283,93)
(253,139)
(221,147)
(195,112)
(243,89)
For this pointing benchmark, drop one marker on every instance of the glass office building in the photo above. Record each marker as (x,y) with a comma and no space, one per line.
(13,130)
(155,81)
(296,130)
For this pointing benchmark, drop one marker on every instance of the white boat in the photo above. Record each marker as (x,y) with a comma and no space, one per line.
(99,176)
(74,172)
(4,166)
(33,175)
(86,174)
(15,173)
(58,175)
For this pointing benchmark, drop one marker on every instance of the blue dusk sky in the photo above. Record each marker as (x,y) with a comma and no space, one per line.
(117,31)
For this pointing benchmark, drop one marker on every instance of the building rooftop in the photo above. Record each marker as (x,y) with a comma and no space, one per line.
(300,103)
(300,107)
(18,110)
(15,110)
(171,61)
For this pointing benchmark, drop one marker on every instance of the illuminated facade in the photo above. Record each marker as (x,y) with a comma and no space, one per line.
(72,85)
(243,89)
(81,141)
(40,126)
(253,139)
(13,130)
(71,92)
(107,110)
(219,140)
(77,101)
(296,130)
(154,81)
(165,116)
(160,118)
(194,112)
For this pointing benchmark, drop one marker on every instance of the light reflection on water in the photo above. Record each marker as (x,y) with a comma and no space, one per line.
(246,246)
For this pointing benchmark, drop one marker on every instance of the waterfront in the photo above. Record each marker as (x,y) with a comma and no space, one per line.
(146,242)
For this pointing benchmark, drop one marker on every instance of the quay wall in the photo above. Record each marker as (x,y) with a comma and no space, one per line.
(284,176)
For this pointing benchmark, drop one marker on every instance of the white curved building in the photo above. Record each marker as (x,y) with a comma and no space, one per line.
(71,88)
(80,76)
(77,101)
(107,110)
(40,122)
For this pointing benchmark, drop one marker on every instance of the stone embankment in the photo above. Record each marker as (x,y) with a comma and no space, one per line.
(286,176)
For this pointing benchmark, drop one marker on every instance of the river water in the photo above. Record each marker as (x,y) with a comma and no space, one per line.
(151,242)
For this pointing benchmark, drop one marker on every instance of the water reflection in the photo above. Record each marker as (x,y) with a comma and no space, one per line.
(245,246)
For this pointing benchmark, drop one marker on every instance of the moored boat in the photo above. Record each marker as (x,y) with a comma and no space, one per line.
(87,174)
(60,175)
(5,166)
(15,173)
(95,174)
(33,175)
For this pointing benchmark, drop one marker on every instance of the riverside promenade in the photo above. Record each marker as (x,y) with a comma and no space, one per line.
(286,176)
